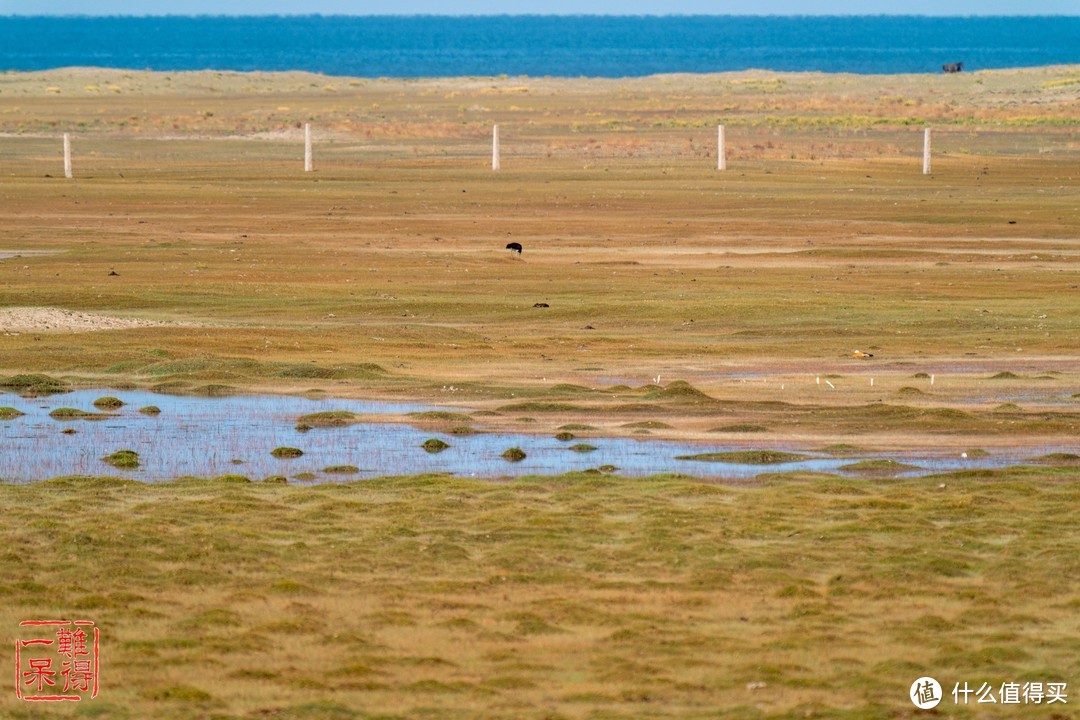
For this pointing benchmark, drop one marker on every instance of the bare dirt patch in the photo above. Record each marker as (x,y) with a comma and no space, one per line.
(15,320)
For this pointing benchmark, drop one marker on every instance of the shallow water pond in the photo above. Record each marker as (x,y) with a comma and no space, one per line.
(216,436)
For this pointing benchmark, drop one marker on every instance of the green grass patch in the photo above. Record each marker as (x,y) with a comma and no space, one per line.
(746,457)
(434,445)
(151,410)
(583,448)
(123,459)
(109,403)
(66,413)
(648,425)
(10,413)
(878,468)
(341,470)
(542,406)
(286,452)
(32,384)
(328,418)
(513,454)
(740,428)
(1059,458)
(446,415)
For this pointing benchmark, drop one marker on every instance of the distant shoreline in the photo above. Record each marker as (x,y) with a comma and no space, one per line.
(564,46)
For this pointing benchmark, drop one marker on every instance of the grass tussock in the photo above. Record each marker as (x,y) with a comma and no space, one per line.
(434,445)
(286,452)
(878,468)
(123,459)
(513,454)
(328,418)
(746,457)
(66,413)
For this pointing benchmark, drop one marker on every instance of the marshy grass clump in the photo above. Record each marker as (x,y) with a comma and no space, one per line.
(34,385)
(434,445)
(747,457)
(109,403)
(648,425)
(564,436)
(67,413)
(276,480)
(513,454)
(444,415)
(151,410)
(583,448)
(576,426)
(10,413)
(740,428)
(1058,458)
(327,418)
(341,470)
(543,406)
(842,449)
(286,452)
(123,459)
(878,468)
(462,430)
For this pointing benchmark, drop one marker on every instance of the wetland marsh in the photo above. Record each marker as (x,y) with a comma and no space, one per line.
(656,300)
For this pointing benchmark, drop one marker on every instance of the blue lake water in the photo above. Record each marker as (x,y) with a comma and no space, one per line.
(235,435)
(561,46)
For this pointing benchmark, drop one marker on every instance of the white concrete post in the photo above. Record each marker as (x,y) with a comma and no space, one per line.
(926,152)
(307,147)
(67,156)
(721,151)
(495,148)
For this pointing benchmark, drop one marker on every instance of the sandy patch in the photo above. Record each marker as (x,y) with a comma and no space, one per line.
(14,320)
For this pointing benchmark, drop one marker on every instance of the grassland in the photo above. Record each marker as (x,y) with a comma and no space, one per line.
(681,302)
(565,597)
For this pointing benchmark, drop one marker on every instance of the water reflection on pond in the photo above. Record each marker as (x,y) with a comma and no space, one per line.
(206,437)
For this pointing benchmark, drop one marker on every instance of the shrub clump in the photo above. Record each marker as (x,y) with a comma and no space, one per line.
(123,459)
(35,384)
(341,469)
(434,445)
(328,418)
(286,452)
(514,454)
(66,413)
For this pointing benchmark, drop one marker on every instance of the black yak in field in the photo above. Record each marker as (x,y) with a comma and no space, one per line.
(514,247)
(953,67)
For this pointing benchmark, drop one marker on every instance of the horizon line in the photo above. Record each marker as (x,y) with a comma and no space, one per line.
(532,14)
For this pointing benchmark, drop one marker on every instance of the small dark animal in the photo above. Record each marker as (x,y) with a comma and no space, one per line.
(540,305)
(953,67)
(515,247)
